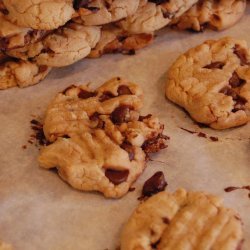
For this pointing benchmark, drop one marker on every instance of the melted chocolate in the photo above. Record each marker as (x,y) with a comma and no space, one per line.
(154,184)
(117,176)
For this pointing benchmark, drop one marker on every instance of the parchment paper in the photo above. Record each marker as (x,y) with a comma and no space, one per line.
(39,211)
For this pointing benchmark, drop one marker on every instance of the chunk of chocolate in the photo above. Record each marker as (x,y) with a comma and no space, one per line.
(124,90)
(235,81)
(106,96)
(84,94)
(80,4)
(157,2)
(241,53)
(120,114)
(215,65)
(117,176)
(154,184)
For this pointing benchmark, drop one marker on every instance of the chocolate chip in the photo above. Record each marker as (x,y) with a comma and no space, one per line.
(154,245)
(120,114)
(4,42)
(241,53)
(141,118)
(155,184)
(122,38)
(84,94)
(240,104)
(229,92)
(95,118)
(42,68)
(154,145)
(166,220)
(235,81)
(124,90)
(65,136)
(158,2)
(215,65)
(117,176)
(106,96)
(129,52)
(239,100)
(130,149)
(80,4)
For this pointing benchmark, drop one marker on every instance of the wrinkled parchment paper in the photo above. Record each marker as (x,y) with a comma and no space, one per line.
(39,211)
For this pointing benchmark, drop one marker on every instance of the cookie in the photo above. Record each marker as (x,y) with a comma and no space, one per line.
(63,47)
(13,36)
(212,82)
(39,14)
(214,14)
(4,246)
(154,15)
(20,73)
(182,220)
(99,12)
(98,139)
(115,40)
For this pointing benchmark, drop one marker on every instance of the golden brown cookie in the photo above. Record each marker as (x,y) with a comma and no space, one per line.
(98,138)
(99,12)
(212,82)
(39,14)
(13,36)
(214,14)
(182,220)
(115,40)
(154,15)
(18,73)
(63,47)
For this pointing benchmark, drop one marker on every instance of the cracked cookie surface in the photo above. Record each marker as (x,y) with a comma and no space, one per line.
(19,73)
(182,220)
(99,12)
(212,82)
(39,14)
(154,15)
(214,14)
(63,47)
(98,138)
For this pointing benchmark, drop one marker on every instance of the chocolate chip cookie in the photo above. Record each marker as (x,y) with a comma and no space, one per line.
(116,40)
(214,14)
(154,15)
(98,140)
(99,12)
(20,73)
(39,14)
(13,36)
(212,82)
(182,220)
(63,47)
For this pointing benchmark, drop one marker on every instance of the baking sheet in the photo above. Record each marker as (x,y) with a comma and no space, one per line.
(39,211)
